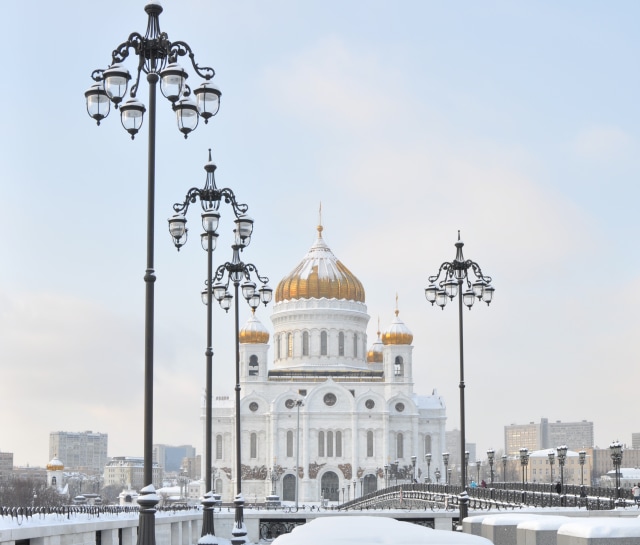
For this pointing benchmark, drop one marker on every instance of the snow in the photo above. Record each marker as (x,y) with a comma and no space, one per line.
(341,530)
(602,528)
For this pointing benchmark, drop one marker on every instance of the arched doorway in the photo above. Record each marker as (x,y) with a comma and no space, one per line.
(369,484)
(289,488)
(330,486)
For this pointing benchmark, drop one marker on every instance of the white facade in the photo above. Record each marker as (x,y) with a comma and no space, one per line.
(359,411)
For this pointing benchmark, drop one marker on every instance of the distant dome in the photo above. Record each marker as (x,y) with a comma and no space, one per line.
(397,332)
(374,355)
(55,465)
(253,332)
(320,275)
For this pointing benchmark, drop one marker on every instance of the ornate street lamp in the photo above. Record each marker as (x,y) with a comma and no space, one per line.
(427,458)
(582,458)
(273,475)
(437,475)
(616,457)
(491,457)
(524,460)
(465,477)
(210,197)
(157,58)
(478,464)
(395,466)
(354,489)
(504,468)
(445,461)
(455,273)
(562,458)
(386,475)
(414,459)
(552,459)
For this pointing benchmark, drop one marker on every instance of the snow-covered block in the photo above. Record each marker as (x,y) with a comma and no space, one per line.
(503,529)
(541,530)
(600,531)
(473,525)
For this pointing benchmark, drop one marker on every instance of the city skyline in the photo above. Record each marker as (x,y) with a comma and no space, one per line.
(517,125)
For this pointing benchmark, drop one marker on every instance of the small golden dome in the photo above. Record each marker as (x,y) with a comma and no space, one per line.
(55,465)
(253,331)
(374,355)
(397,332)
(320,275)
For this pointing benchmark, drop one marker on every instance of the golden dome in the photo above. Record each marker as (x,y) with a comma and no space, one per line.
(55,465)
(253,332)
(397,332)
(320,275)
(374,355)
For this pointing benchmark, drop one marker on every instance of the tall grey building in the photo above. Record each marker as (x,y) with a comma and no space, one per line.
(536,436)
(170,458)
(85,452)
(6,466)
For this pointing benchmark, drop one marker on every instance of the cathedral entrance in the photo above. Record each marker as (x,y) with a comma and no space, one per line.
(330,486)
(369,484)
(289,488)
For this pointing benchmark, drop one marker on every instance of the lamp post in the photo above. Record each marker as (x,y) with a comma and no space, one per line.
(427,458)
(210,197)
(524,460)
(414,459)
(437,475)
(616,458)
(445,461)
(478,464)
(386,475)
(456,273)
(156,57)
(298,405)
(348,491)
(354,490)
(582,458)
(491,457)
(233,272)
(504,468)
(552,459)
(396,466)
(273,475)
(562,458)
(465,477)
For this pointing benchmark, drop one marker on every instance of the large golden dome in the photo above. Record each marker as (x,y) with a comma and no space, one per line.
(374,355)
(397,332)
(320,275)
(253,332)
(55,465)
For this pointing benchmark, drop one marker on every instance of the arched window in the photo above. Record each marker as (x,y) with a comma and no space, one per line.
(289,444)
(399,446)
(398,372)
(338,444)
(427,444)
(369,444)
(305,343)
(289,345)
(329,444)
(323,343)
(218,447)
(341,343)
(355,345)
(253,365)
(254,445)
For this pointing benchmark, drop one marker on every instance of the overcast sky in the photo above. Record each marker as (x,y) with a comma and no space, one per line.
(515,123)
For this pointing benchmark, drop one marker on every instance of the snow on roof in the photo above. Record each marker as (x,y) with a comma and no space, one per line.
(341,530)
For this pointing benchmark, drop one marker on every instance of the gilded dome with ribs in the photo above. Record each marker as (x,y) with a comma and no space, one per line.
(254,332)
(320,275)
(397,332)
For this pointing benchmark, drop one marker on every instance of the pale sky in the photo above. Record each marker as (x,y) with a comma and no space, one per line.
(516,123)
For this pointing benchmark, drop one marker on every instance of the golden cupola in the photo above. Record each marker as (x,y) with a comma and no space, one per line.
(55,465)
(397,332)
(253,332)
(374,355)
(320,275)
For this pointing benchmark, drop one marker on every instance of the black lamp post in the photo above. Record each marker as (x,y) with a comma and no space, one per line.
(427,458)
(616,457)
(156,57)
(235,271)
(552,459)
(562,458)
(478,464)
(465,477)
(414,459)
(445,461)
(456,273)
(210,197)
(504,468)
(582,458)
(386,475)
(396,468)
(491,457)
(298,405)
(437,475)
(354,489)
(524,460)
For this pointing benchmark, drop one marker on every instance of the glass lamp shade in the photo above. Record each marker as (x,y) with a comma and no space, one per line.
(204,240)
(219,291)
(490,455)
(487,294)
(243,230)
(478,286)
(427,457)
(430,293)
(451,287)
(248,289)
(172,80)
(205,296)
(178,229)
(186,115)
(131,116)
(469,298)
(208,99)
(225,303)
(210,220)
(98,103)
(445,458)
(254,301)
(266,293)
(441,298)
(116,81)
(552,456)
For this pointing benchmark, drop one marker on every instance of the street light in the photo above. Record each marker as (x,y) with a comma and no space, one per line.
(427,458)
(437,475)
(210,197)
(491,456)
(396,466)
(445,461)
(582,458)
(562,458)
(298,405)
(552,459)
(354,489)
(386,475)
(616,457)
(156,57)
(414,459)
(233,272)
(273,475)
(524,460)
(478,464)
(465,477)
(455,273)
(504,468)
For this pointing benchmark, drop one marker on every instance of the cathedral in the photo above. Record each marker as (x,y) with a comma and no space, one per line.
(329,418)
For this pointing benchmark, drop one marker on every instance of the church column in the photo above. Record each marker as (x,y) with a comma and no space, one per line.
(304,494)
(355,448)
